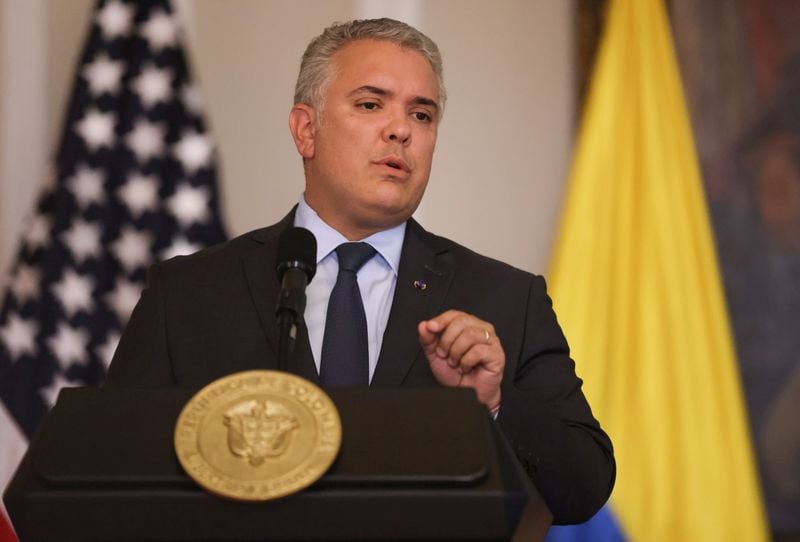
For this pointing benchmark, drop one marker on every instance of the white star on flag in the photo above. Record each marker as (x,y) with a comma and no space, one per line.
(132,249)
(19,336)
(96,129)
(87,186)
(38,233)
(189,204)
(180,247)
(190,96)
(193,151)
(50,393)
(74,291)
(124,298)
(103,75)
(83,240)
(146,140)
(140,194)
(115,19)
(160,31)
(153,85)
(106,350)
(25,283)
(69,345)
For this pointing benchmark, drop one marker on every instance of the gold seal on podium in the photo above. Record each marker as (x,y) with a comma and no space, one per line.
(258,435)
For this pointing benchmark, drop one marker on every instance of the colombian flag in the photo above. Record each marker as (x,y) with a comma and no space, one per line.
(635,282)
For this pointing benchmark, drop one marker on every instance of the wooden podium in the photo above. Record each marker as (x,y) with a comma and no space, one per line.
(423,464)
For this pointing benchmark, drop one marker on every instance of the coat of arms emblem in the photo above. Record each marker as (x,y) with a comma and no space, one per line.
(259,429)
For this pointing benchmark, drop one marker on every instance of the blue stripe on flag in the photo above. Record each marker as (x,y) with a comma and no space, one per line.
(603,527)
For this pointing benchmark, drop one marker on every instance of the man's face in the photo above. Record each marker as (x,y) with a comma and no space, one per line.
(370,156)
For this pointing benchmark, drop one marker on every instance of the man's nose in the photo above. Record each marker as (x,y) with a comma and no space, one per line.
(398,128)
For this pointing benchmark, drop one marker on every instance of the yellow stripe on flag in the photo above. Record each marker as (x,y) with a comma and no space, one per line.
(635,282)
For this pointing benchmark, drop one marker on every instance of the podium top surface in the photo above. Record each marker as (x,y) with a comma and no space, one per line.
(119,437)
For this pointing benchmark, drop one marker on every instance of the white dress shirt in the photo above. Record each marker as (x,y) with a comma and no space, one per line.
(376,280)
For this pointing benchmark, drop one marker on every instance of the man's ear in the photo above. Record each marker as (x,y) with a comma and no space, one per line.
(302,124)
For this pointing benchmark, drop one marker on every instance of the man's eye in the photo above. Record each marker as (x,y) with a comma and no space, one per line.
(369,106)
(421,116)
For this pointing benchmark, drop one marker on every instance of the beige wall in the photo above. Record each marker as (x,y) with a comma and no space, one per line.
(246,61)
(503,147)
(39,45)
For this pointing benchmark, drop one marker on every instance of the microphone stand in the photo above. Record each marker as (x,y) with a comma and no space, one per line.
(287,335)
(291,305)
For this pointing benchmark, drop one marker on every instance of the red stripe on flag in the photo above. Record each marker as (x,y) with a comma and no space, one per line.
(12,448)
(6,532)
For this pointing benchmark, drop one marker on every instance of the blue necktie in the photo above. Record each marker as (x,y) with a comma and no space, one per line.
(345,355)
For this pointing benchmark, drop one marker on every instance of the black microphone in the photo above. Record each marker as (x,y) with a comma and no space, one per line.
(295,264)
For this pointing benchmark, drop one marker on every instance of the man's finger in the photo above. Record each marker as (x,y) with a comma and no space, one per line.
(480,354)
(430,342)
(458,324)
(469,337)
(444,319)
(427,338)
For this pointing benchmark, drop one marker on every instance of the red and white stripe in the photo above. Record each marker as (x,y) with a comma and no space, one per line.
(12,446)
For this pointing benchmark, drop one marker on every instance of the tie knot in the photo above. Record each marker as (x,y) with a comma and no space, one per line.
(353,255)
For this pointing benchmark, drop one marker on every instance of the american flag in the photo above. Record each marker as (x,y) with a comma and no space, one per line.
(134,182)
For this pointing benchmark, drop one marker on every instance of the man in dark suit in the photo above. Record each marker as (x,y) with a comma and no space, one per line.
(369,98)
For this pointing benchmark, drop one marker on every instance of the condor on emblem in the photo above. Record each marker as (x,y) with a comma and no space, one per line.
(259,429)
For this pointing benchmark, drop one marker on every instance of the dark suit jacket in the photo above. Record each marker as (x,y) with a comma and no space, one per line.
(211,314)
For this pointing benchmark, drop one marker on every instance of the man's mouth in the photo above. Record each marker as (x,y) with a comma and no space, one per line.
(395,162)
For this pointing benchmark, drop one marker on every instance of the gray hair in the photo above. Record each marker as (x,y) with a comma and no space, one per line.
(316,69)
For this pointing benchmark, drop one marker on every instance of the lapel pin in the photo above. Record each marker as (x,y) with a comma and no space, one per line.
(420,284)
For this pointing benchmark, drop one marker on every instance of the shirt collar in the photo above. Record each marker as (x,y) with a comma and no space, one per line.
(388,243)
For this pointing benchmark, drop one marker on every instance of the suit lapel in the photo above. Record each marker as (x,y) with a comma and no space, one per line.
(262,281)
(423,280)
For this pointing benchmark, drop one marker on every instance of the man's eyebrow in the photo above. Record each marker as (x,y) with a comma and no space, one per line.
(422,100)
(369,89)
